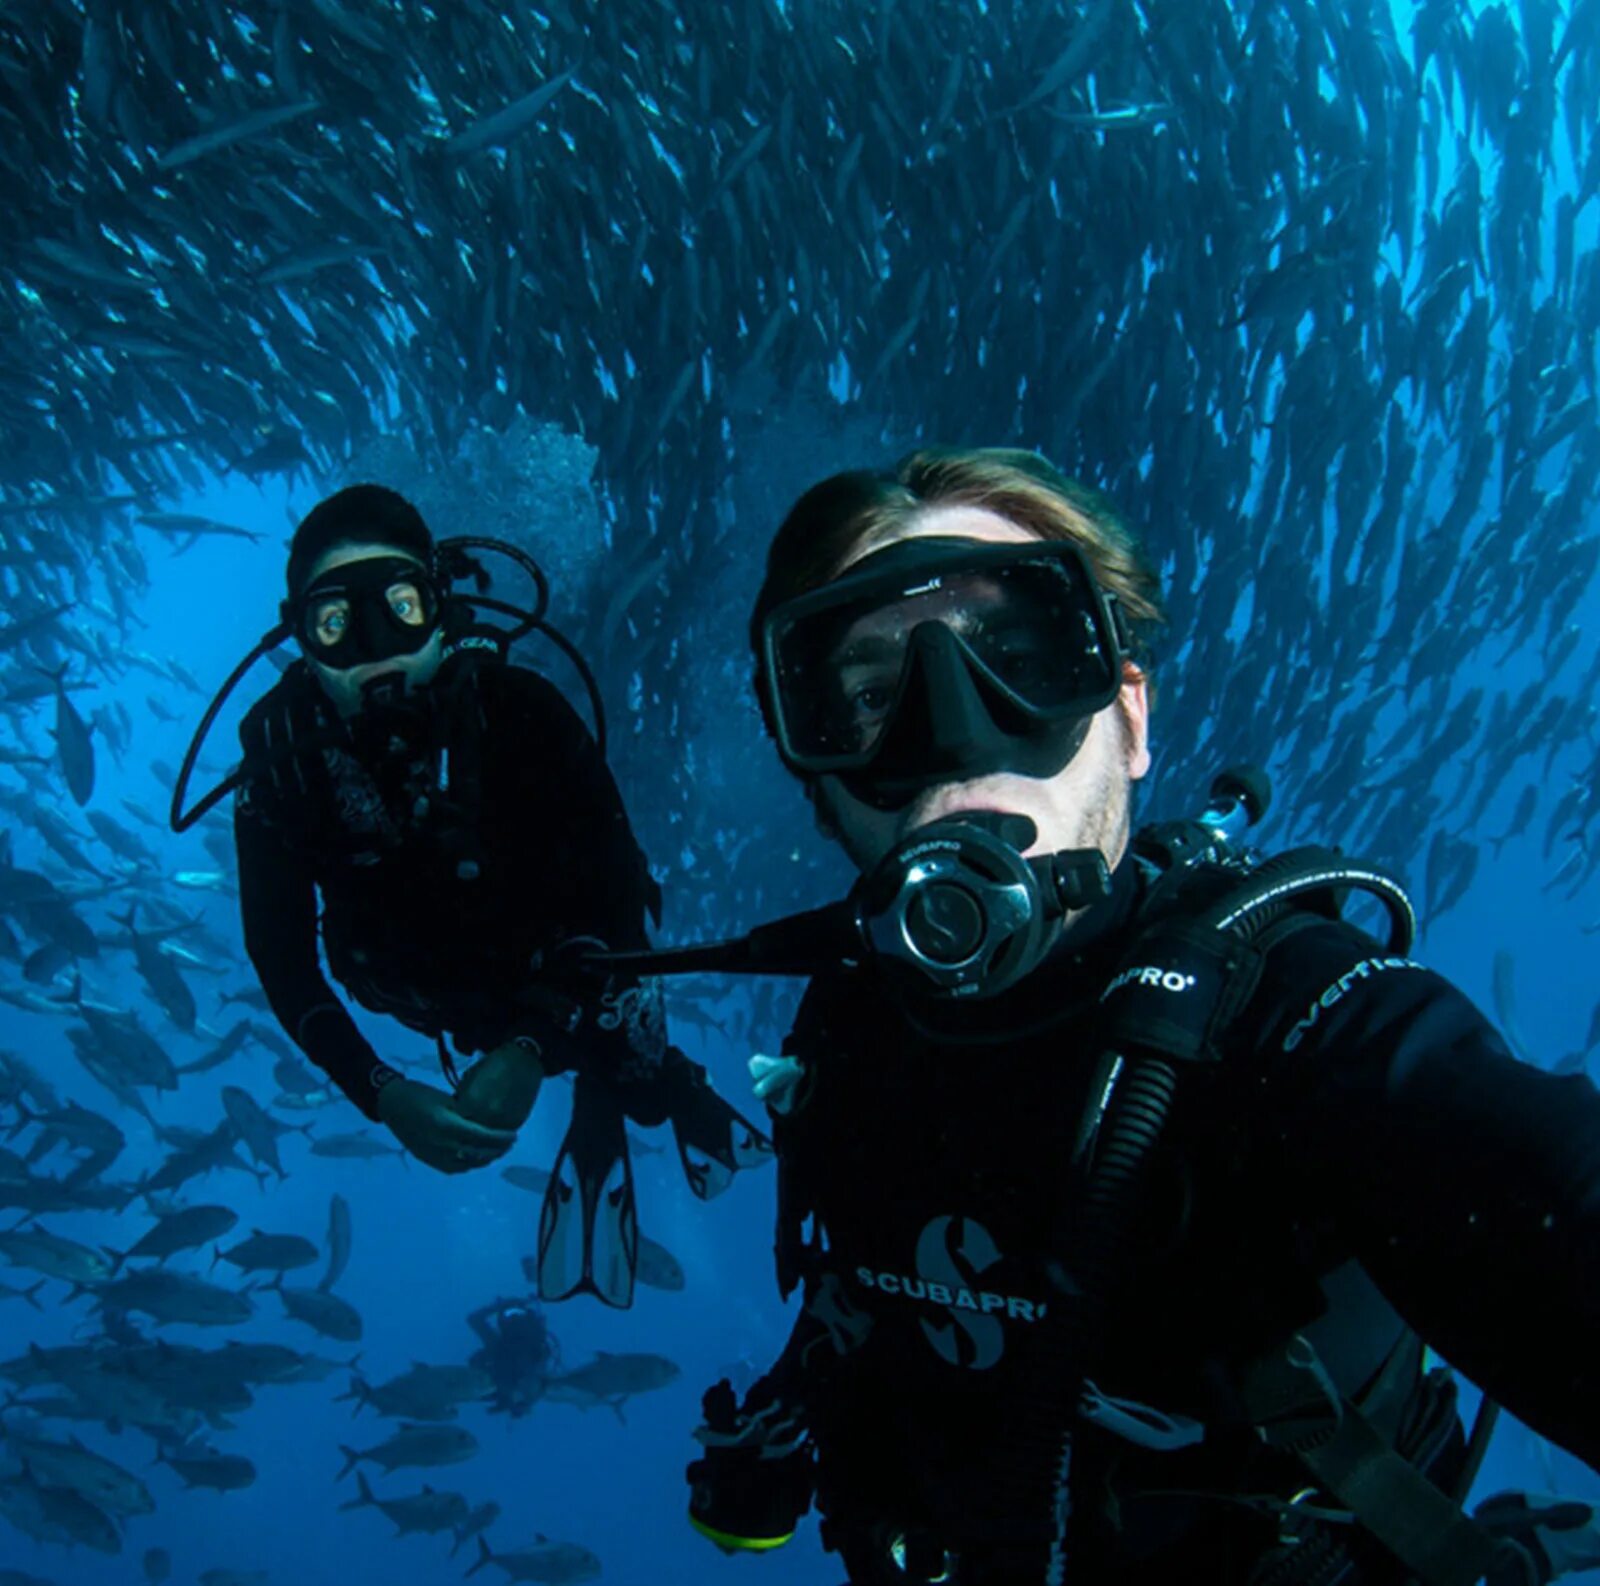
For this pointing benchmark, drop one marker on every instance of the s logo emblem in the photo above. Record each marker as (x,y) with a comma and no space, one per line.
(952,1252)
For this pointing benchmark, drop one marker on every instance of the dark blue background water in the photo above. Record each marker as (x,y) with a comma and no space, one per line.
(428,1249)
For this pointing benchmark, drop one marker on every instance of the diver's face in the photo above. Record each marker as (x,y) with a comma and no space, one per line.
(1084,805)
(329,618)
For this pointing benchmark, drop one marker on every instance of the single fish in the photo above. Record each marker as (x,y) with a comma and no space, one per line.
(242,130)
(423,1513)
(176,1297)
(123,843)
(57,1514)
(611,1380)
(15,634)
(658,1267)
(74,745)
(160,973)
(257,1129)
(354,1148)
(209,1467)
(102,1481)
(189,528)
(494,131)
(423,1393)
(42,1251)
(297,264)
(187,1228)
(252,997)
(325,1314)
(1505,1004)
(339,1236)
(533,1179)
(263,1252)
(141,814)
(1125,118)
(545,1561)
(416,1443)
(221,1053)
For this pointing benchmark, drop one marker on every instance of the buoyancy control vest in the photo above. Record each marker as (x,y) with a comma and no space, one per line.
(347,789)
(1342,1385)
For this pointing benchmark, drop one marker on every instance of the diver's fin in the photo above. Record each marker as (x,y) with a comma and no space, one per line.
(589,1224)
(714,1140)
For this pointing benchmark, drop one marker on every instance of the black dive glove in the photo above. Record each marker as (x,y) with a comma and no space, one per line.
(749,1489)
(1542,1537)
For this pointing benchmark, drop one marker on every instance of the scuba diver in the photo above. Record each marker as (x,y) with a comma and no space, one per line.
(517,1350)
(1122,1179)
(466,839)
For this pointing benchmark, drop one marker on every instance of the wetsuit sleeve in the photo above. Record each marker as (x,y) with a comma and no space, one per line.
(576,838)
(278,905)
(1467,1183)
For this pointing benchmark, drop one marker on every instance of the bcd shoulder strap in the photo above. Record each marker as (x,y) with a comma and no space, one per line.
(1288,1393)
(282,736)
(1296,1408)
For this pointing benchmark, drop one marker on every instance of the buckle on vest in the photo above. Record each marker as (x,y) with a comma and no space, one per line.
(1292,1400)
(1294,1526)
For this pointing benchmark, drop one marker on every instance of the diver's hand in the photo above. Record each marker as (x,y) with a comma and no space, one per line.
(427,1123)
(776,1081)
(1542,1537)
(501,1087)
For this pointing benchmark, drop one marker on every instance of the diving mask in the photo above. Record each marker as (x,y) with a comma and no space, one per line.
(942,658)
(376,609)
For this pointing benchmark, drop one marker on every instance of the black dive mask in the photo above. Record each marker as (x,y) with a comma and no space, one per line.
(376,609)
(940,660)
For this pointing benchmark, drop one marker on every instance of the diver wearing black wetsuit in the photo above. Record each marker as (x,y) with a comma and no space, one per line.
(516,1349)
(406,934)
(1363,1166)
(464,835)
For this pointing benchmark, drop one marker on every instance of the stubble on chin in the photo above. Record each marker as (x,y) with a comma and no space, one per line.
(1114,798)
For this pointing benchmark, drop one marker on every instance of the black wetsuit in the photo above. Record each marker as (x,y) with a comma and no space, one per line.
(358,814)
(1369,1167)
(516,1349)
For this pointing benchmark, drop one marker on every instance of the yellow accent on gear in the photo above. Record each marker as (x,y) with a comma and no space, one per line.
(748,1544)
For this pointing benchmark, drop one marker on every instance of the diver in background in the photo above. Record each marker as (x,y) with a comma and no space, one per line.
(517,1350)
(1234,1388)
(467,842)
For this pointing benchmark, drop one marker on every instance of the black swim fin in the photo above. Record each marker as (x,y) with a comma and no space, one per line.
(715,1140)
(589,1222)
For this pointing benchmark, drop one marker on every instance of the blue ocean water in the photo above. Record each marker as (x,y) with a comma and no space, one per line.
(427,1249)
